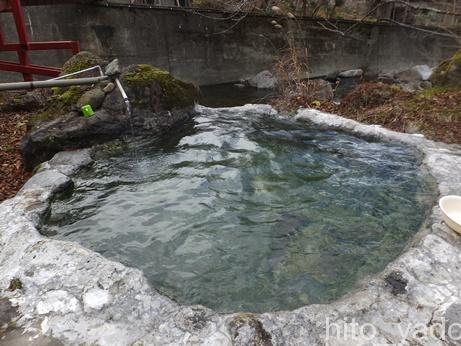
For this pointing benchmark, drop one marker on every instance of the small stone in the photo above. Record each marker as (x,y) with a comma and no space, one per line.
(291,15)
(277,10)
(94,98)
(278,26)
(109,88)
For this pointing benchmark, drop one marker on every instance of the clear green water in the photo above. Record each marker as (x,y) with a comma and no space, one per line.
(245,212)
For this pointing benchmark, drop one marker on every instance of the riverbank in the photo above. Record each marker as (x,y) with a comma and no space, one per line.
(433,112)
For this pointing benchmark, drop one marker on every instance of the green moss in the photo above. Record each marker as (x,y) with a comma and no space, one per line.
(178,93)
(448,73)
(70,96)
(8,148)
(431,92)
(58,103)
(37,168)
(15,284)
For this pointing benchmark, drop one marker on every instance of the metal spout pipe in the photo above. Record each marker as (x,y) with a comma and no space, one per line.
(51,83)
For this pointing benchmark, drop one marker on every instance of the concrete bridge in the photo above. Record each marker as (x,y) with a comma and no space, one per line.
(209,47)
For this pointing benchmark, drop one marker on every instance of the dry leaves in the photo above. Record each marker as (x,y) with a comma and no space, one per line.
(12,175)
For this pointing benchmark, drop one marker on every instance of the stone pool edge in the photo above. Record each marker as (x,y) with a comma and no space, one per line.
(70,295)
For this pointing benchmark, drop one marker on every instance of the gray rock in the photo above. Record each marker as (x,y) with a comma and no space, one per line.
(113,68)
(94,98)
(332,76)
(415,74)
(75,131)
(48,180)
(424,71)
(351,73)
(263,80)
(23,102)
(68,162)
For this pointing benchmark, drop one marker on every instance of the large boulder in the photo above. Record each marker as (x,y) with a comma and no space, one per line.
(73,131)
(448,73)
(159,104)
(82,61)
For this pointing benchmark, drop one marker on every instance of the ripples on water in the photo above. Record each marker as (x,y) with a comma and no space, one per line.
(250,212)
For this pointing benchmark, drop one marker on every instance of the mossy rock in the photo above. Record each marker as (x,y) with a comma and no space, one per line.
(63,100)
(81,61)
(60,102)
(448,73)
(177,94)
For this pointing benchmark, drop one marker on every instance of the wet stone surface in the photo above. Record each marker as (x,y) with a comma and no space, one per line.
(54,273)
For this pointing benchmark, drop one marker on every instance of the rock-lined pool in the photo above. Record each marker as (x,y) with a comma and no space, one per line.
(249,212)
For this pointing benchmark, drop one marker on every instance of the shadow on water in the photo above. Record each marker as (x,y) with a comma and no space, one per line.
(232,95)
(235,94)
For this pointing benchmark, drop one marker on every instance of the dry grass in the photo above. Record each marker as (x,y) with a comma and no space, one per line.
(436,113)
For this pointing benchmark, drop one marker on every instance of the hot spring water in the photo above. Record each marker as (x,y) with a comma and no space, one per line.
(249,212)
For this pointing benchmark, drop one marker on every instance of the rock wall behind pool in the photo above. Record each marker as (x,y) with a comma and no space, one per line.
(196,48)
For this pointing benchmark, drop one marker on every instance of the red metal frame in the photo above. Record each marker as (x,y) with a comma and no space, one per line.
(24,66)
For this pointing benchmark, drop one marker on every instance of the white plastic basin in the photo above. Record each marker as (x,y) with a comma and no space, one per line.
(451,208)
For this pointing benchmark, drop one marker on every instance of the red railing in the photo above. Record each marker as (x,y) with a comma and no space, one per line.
(24,66)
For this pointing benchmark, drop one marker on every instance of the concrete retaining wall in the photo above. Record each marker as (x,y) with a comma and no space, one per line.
(204,48)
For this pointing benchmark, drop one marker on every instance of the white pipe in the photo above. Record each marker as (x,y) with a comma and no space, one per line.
(124,95)
(81,71)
